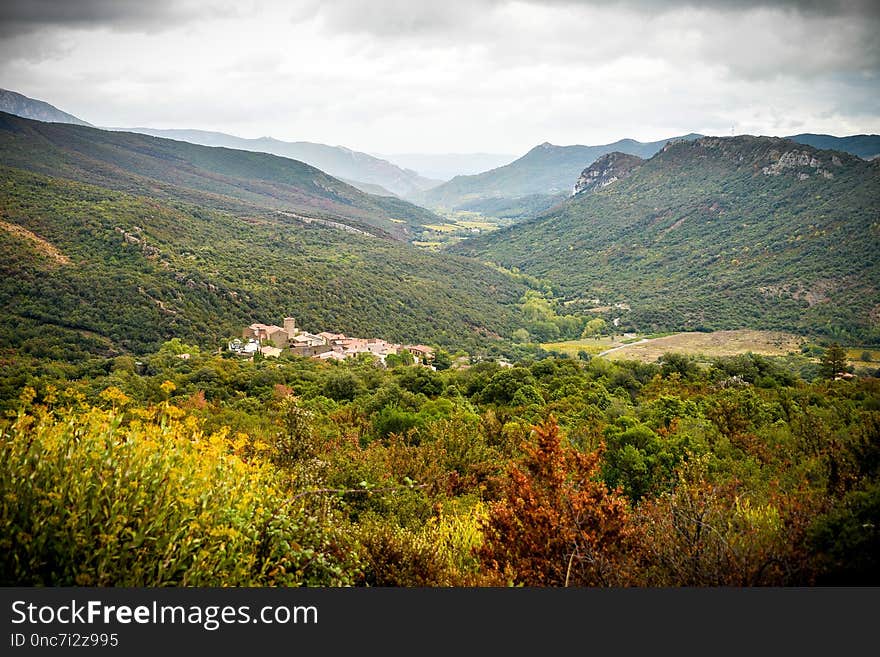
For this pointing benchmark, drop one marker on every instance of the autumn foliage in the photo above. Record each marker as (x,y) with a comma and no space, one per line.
(556,523)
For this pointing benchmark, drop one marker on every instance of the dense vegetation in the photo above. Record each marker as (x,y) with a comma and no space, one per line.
(107,272)
(219,178)
(218,471)
(699,237)
(516,209)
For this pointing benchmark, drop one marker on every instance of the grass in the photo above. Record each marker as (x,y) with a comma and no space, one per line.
(854,354)
(590,345)
(718,343)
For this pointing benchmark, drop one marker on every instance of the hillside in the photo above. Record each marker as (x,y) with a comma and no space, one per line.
(866,147)
(361,169)
(718,233)
(217,177)
(38,110)
(87,269)
(546,169)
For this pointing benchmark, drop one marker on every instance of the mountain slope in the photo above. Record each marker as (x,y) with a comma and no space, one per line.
(546,169)
(716,233)
(85,269)
(338,161)
(38,110)
(866,147)
(218,177)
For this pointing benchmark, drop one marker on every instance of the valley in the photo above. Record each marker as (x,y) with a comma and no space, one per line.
(641,364)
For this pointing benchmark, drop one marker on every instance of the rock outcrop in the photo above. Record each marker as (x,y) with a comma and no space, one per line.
(606,170)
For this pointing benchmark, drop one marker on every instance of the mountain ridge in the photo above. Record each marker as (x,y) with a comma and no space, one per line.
(217,176)
(715,233)
(340,162)
(13,102)
(545,169)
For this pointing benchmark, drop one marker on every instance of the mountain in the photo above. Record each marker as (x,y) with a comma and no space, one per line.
(866,147)
(606,170)
(546,169)
(715,233)
(218,177)
(444,166)
(29,108)
(514,209)
(128,261)
(361,169)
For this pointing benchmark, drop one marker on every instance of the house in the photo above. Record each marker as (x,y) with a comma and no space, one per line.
(421,352)
(330,355)
(240,348)
(267,332)
(331,338)
(270,352)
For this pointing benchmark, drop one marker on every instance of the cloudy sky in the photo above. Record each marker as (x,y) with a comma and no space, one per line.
(392,76)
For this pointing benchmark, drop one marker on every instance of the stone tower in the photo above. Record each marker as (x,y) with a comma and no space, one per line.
(290,326)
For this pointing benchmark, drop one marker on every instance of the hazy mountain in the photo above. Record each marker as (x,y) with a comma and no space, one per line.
(218,177)
(359,168)
(866,147)
(443,166)
(546,169)
(20,105)
(716,233)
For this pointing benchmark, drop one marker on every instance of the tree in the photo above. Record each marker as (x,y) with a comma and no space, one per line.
(442,360)
(594,328)
(833,361)
(520,335)
(555,524)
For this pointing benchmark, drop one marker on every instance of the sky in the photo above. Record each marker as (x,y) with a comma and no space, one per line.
(405,76)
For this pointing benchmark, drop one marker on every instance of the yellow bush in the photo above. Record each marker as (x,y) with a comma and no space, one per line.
(86,499)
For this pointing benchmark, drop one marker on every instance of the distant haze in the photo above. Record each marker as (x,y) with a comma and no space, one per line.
(460,76)
(444,166)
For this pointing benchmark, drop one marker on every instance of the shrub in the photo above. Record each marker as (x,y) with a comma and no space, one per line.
(86,499)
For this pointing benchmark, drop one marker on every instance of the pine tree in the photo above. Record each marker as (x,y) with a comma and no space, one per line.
(833,361)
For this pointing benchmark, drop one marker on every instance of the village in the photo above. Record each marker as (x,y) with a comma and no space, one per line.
(271,341)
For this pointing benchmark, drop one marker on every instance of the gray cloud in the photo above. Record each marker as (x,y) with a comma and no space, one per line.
(496,75)
(18,17)
(414,18)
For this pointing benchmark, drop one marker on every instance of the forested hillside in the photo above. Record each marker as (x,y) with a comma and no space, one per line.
(85,268)
(716,233)
(343,163)
(216,177)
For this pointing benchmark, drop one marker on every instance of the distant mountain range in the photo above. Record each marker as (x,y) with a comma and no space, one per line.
(359,169)
(546,169)
(444,166)
(712,233)
(368,173)
(20,105)
(216,177)
(866,147)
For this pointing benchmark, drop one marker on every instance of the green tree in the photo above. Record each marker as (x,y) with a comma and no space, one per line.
(594,327)
(833,361)
(520,335)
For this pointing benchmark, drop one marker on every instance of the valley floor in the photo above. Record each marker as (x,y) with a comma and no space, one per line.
(719,343)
